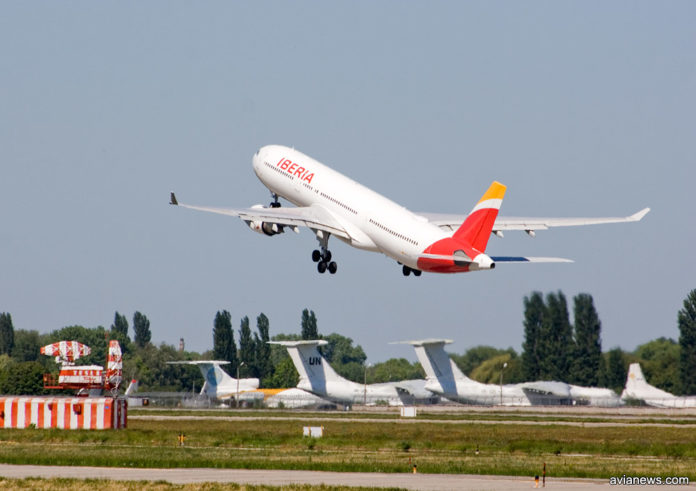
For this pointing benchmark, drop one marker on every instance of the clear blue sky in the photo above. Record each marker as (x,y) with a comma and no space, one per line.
(580,108)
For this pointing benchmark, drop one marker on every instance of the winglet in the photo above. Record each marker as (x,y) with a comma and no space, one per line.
(172,199)
(636,217)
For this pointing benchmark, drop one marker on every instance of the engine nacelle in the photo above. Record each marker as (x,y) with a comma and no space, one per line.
(481,261)
(265,228)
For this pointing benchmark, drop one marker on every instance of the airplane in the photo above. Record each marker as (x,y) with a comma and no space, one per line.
(288,398)
(638,389)
(318,377)
(330,203)
(444,378)
(219,385)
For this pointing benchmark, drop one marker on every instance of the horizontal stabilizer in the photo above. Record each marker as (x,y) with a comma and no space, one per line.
(199,362)
(424,342)
(303,342)
(520,259)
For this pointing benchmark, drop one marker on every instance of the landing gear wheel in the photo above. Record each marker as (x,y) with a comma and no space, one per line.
(417,272)
(275,203)
(322,256)
(406,270)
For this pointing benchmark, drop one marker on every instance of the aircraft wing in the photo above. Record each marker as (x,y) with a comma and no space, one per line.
(544,388)
(529,224)
(315,217)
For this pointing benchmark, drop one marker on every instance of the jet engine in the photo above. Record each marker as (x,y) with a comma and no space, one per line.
(265,227)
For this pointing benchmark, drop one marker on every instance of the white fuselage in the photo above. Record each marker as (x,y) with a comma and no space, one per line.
(347,392)
(373,222)
(469,391)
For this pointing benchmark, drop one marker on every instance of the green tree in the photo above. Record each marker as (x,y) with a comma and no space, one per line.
(262,351)
(473,357)
(557,339)
(27,345)
(6,334)
(346,359)
(394,370)
(246,347)
(687,341)
(340,350)
(659,360)
(155,374)
(489,371)
(615,377)
(284,375)
(141,327)
(22,378)
(224,347)
(120,325)
(532,347)
(309,325)
(588,344)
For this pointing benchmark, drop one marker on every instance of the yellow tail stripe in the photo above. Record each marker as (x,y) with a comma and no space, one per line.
(495,191)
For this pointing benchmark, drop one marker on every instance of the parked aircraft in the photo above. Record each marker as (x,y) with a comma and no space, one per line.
(219,385)
(287,398)
(317,377)
(638,389)
(446,379)
(330,203)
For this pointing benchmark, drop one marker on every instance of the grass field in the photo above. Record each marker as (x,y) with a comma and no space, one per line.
(383,446)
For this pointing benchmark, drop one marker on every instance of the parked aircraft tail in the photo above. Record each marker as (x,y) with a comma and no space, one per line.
(314,370)
(132,388)
(476,229)
(439,368)
(638,388)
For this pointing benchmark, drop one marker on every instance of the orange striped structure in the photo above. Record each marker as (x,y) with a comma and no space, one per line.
(70,413)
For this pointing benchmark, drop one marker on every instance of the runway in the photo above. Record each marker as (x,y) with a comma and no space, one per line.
(426,482)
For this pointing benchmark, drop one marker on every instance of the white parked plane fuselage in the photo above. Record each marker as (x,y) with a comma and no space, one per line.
(319,378)
(374,222)
(446,379)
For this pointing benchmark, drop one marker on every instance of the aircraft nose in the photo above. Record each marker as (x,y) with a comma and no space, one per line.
(257,158)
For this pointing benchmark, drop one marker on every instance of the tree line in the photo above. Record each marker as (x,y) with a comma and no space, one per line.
(553,349)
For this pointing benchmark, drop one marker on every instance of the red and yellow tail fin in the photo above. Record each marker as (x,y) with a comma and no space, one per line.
(476,229)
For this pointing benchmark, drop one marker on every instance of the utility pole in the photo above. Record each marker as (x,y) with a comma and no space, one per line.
(365,385)
(501,382)
(237,398)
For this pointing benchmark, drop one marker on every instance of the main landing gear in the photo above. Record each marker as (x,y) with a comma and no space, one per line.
(322,256)
(407,271)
